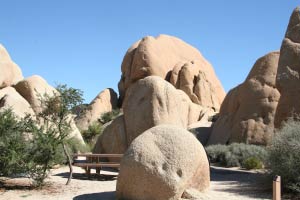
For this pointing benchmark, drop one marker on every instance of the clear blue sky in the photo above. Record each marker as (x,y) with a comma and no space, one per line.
(82,43)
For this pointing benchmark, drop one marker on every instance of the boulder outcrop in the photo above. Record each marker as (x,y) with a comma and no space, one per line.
(166,57)
(248,111)
(10,72)
(11,99)
(288,75)
(106,101)
(33,89)
(161,164)
(113,139)
(153,101)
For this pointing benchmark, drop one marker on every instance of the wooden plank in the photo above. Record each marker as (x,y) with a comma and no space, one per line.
(96,164)
(99,155)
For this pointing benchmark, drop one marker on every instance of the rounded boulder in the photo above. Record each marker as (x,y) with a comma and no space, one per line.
(162,164)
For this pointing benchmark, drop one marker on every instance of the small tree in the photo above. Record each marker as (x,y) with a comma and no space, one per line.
(56,116)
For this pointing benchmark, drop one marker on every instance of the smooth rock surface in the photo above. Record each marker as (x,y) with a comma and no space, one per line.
(11,99)
(10,72)
(33,89)
(113,139)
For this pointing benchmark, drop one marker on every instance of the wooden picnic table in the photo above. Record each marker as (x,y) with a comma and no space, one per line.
(96,161)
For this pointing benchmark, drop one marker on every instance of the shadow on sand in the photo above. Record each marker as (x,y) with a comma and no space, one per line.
(92,177)
(250,184)
(96,196)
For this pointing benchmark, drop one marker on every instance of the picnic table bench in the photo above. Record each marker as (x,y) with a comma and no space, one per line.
(96,161)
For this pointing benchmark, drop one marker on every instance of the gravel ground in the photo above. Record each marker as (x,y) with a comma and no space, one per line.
(226,184)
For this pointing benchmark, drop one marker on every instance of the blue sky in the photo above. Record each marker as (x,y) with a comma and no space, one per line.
(82,43)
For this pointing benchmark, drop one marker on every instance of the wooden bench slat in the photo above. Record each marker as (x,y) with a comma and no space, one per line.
(99,155)
(96,165)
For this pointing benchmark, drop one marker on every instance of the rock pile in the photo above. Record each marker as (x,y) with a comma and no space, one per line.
(23,95)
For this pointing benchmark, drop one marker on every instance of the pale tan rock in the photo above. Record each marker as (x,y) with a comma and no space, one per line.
(75,133)
(106,101)
(161,164)
(247,113)
(11,99)
(159,56)
(198,81)
(113,139)
(10,72)
(288,78)
(33,89)
(152,101)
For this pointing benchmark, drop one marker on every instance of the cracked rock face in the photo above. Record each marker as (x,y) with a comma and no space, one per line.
(171,58)
(288,79)
(162,164)
(247,113)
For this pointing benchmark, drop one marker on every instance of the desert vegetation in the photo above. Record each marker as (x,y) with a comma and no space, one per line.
(30,146)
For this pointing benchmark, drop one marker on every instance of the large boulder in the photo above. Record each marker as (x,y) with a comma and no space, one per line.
(247,113)
(33,89)
(159,56)
(11,99)
(105,101)
(152,101)
(288,75)
(161,164)
(10,72)
(113,138)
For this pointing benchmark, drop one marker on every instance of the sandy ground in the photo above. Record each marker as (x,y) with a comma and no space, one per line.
(226,184)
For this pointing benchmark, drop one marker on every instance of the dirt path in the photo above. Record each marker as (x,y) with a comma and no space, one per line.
(226,184)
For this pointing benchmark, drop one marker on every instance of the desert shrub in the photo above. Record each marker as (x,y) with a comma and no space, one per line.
(234,155)
(284,155)
(13,145)
(30,147)
(216,153)
(91,134)
(252,163)
(109,116)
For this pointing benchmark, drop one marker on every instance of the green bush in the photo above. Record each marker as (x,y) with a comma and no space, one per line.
(234,155)
(284,155)
(252,163)
(30,147)
(216,153)
(91,134)
(13,145)
(109,116)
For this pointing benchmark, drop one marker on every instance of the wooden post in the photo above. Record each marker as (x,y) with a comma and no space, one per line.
(277,188)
